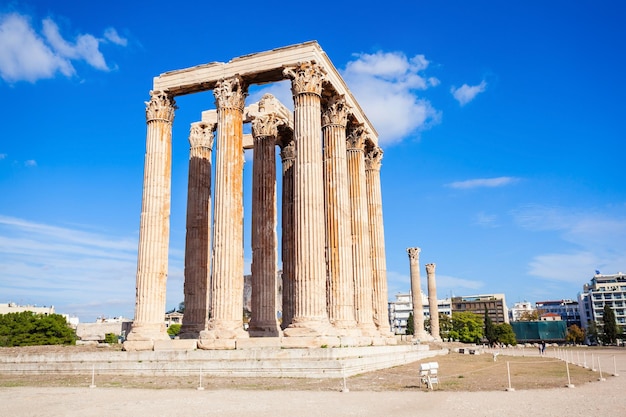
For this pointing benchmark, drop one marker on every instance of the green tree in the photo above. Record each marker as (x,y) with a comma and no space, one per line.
(110,338)
(173,329)
(30,329)
(592,332)
(467,327)
(410,325)
(575,334)
(490,330)
(531,315)
(445,325)
(609,328)
(504,334)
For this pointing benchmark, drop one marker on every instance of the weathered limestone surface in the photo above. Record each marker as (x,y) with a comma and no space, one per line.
(432,301)
(288,156)
(416,294)
(198,242)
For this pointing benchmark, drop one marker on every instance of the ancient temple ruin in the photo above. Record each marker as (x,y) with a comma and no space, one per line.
(332,240)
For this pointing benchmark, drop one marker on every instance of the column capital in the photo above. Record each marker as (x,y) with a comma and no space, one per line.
(266,125)
(160,107)
(430,268)
(288,151)
(307,77)
(201,135)
(356,138)
(414,253)
(373,159)
(335,112)
(230,93)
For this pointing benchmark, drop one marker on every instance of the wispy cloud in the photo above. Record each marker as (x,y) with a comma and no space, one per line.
(30,163)
(447,285)
(466,93)
(79,272)
(597,240)
(3,155)
(483,182)
(486,220)
(26,55)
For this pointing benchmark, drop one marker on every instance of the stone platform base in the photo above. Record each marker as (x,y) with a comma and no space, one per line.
(242,362)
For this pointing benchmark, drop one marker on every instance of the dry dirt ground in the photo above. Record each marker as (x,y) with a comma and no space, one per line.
(472,385)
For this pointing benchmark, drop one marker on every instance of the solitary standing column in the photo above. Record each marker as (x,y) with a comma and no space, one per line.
(226,320)
(154,228)
(198,241)
(338,238)
(362,264)
(377,240)
(288,156)
(432,302)
(416,294)
(264,243)
(310,315)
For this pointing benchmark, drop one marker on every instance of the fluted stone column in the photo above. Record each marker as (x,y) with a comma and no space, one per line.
(362,264)
(310,315)
(373,160)
(154,228)
(338,235)
(226,320)
(288,156)
(198,242)
(416,294)
(432,302)
(264,242)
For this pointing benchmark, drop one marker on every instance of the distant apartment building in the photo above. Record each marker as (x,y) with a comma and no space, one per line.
(400,309)
(568,310)
(495,304)
(519,309)
(602,290)
(15,308)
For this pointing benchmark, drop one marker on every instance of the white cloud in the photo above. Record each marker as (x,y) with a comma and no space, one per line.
(385,85)
(486,220)
(3,155)
(26,55)
(447,285)
(467,93)
(30,163)
(483,182)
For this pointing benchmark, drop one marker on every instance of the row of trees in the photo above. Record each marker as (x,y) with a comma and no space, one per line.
(30,329)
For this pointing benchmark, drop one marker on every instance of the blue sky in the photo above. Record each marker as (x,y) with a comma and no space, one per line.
(502,125)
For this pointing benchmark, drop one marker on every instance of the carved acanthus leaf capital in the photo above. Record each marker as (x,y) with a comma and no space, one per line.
(288,151)
(201,135)
(160,107)
(430,268)
(414,254)
(230,93)
(336,112)
(266,125)
(356,138)
(306,77)
(373,159)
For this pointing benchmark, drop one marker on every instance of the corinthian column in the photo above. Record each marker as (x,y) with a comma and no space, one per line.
(416,294)
(198,242)
(377,240)
(338,239)
(264,242)
(226,320)
(154,228)
(361,262)
(288,156)
(310,315)
(432,302)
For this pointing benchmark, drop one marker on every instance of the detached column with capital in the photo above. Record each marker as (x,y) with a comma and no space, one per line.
(198,242)
(226,320)
(310,315)
(373,160)
(338,237)
(432,302)
(264,242)
(416,294)
(154,228)
(361,262)
(288,157)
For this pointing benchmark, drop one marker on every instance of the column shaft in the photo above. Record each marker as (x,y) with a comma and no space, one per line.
(154,227)
(416,294)
(288,155)
(432,301)
(198,242)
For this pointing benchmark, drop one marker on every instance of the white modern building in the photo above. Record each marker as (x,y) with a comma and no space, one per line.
(6,308)
(601,290)
(519,308)
(400,309)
